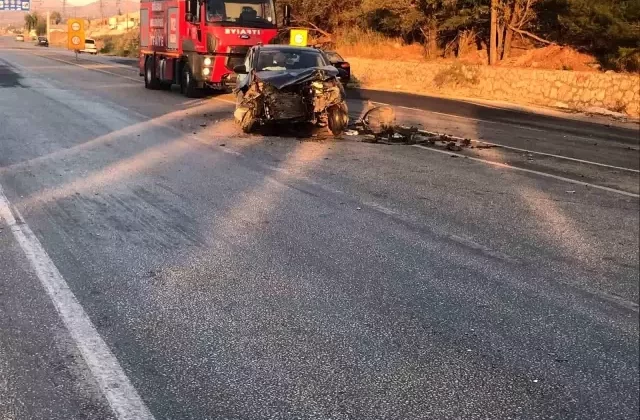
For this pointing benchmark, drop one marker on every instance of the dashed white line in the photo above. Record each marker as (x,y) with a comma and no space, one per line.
(531,171)
(533,152)
(89,67)
(122,397)
(587,162)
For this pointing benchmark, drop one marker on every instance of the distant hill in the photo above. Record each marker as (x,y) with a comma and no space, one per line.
(90,11)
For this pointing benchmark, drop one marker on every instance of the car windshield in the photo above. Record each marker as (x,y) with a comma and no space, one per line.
(251,13)
(334,57)
(275,60)
(88,41)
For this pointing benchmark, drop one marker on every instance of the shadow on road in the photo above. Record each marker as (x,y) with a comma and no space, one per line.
(8,77)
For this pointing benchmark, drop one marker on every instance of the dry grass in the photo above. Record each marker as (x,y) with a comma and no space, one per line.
(554,57)
(123,45)
(369,44)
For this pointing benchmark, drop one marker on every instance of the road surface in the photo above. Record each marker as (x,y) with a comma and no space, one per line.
(155,263)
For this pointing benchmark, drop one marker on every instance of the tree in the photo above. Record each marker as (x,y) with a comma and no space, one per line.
(608,29)
(410,19)
(31,21)
(56,17)
(41,27)
(515,17)
(493,33)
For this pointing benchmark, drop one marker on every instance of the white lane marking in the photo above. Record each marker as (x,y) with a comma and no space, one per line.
(587,162)
(113,382)
(126,77)
(89,68)
(414,109)
(480,120)
(531,171)
(461,117)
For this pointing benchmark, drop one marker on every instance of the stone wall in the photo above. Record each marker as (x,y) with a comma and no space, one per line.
(555,88)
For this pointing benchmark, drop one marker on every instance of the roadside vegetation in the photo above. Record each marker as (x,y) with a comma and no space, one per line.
(37,22)
(607,30)
(123,45)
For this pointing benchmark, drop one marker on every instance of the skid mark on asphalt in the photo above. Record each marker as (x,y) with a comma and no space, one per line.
(103,365)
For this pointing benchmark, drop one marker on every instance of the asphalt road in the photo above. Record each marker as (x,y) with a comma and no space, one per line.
(156,263)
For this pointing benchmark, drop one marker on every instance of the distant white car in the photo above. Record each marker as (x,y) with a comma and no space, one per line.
(90,46)
(20,38)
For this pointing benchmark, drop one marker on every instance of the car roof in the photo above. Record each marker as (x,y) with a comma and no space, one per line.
(284,47)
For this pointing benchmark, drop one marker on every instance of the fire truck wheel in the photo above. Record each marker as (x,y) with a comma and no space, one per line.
(150,79)
(188,85)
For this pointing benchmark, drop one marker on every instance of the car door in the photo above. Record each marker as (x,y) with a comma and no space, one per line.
(243,80)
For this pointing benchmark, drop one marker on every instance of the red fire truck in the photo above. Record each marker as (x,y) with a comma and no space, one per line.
(197,43)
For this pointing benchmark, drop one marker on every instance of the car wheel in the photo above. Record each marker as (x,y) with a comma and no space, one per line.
(338,118)
(150,79)
(188,85)
(249,122)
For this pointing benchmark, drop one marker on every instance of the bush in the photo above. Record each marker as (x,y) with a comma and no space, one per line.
(125,45)
(627,59)
(457,75)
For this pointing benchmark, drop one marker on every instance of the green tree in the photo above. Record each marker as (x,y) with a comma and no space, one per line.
(609,29)
(31,21)
(56,17)
(41,27)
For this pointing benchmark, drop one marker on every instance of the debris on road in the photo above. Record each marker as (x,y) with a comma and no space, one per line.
(380,120)
(378,125)
(453,146)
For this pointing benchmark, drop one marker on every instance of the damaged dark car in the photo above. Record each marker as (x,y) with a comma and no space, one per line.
(286,84)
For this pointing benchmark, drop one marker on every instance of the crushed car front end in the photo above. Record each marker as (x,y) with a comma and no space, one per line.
(310,95)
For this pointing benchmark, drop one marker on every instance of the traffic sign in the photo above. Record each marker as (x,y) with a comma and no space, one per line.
(299,37)
(12,5)
(75,34)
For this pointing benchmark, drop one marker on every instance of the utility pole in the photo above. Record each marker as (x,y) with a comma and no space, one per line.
(493,35)
(102,11)
(48,23)
(64,9)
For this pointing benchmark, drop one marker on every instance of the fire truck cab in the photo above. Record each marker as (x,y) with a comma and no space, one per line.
(196,43)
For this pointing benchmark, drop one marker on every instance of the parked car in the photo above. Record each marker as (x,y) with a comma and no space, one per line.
(286,84)
(89,46)
(42,41)
(20,38)
(338,62)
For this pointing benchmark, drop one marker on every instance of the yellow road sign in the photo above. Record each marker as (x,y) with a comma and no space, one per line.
(75,34)
(299,37)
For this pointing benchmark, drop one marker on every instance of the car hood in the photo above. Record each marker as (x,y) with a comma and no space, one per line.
(283,78)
